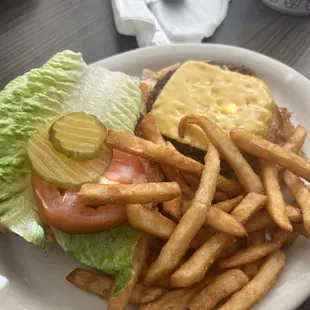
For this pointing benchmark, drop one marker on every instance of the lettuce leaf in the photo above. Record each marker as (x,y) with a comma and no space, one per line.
(64,84)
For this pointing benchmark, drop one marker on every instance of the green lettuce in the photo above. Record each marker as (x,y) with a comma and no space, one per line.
(64,84)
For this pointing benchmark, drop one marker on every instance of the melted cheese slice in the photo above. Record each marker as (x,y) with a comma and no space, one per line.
(229,99)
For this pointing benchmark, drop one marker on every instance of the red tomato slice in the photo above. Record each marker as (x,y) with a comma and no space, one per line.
(69,214)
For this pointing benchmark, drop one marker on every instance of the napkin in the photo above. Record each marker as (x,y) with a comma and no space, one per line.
(156,22)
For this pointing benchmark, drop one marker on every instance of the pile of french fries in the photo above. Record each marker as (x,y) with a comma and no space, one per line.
(209,242)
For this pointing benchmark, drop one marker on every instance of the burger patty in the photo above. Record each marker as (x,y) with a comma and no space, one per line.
(192,151)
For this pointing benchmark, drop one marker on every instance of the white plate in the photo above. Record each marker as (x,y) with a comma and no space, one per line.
(30,279)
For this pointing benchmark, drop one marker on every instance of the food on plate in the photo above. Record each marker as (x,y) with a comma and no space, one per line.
(77,135)
(271,152)
(221,287)
(275,204)
(194,218)
(102,194)
(109,167)
(150,221)
(301,194)
(255,238)
(259,285)
(244,172)
(102,285)
(197,265)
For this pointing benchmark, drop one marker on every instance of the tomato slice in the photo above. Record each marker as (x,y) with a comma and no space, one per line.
(69,214)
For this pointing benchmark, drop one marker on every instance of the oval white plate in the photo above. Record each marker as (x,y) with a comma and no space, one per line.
(30,279)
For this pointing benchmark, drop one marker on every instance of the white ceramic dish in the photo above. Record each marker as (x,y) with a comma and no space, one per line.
(33,280)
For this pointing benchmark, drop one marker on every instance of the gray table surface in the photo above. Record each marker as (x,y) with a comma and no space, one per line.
(31,31)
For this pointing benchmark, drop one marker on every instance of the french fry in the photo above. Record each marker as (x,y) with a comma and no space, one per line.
(196,267)
(190,223)
(291,238)
(150,221)
(173,208)
(220,220)
(256,238)
(300,228)
(102,285)
(178,298)
(255,252)
(102,194)
(244,172)
(204,234)
(271,152)
(224,222)
(254,290)
(191,180)
(136,146)
(121,301)
(152,170)
(237,245)
(301,195)
(223,286)
(275,203)
(295,142)
(262,219)
(220,196)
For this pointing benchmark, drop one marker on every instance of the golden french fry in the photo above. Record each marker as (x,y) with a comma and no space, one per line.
(224,222)
(101,194)
(275,203)
(256,238)
(223,286)
(152,170)
(238,244)
(197,265)
(191,180)
(220,196)
(262,219)
(150,221)
(254,290)
(271,152)
(228,205)
(121,301)
(295,142)
(244,172)
(301,195)
(255,252)
(190,223)
(173,208)
(178,298)
(102,285)
(204,234)
(136,146)
(291,238)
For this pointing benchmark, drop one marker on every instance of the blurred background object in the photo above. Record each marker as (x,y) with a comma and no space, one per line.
(294,7)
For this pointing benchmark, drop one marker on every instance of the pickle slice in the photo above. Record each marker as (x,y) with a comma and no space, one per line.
(60,170)
(78,135)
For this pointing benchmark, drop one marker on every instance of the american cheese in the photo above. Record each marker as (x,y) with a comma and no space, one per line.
(229,99)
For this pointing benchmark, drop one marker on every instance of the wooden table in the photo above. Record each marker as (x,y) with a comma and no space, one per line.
(31,31)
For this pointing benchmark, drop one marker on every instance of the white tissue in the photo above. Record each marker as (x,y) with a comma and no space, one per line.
(156,22)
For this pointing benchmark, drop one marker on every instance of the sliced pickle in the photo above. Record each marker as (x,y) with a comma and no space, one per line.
(78,135)
(56,168)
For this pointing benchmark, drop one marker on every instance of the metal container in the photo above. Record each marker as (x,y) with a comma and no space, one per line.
(293,7)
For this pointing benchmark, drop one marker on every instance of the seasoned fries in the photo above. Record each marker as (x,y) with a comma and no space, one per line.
(255,252)
(301,194)
(102,285)
(245,174)
(275,204)
(295,142)
(259,285)
(136,146)
(256,238)
(271,152)
(190,223)
(101,194)
(223,286)
(195,268)
(150,221)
